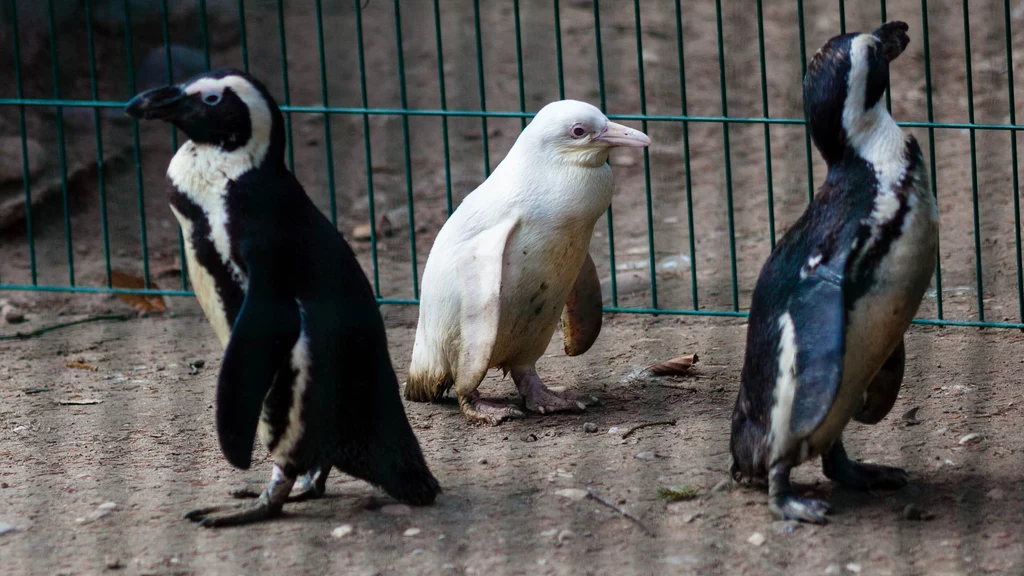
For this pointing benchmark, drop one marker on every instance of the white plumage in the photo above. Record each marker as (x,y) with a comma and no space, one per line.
(502,267)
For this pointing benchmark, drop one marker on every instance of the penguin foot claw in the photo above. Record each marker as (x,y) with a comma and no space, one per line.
(790,507)
(232,514)
(491,413)
(540,399)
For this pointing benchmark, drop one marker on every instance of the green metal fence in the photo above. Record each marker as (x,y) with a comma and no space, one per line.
(684,119)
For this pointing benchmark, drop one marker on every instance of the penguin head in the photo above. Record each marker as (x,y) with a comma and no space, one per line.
(225,108)
(578,133)
(844,85)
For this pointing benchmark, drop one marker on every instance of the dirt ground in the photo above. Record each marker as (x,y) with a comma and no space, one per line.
(149,446)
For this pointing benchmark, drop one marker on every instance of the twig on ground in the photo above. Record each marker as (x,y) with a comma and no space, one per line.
(594,496)
(647,425)
(41,331)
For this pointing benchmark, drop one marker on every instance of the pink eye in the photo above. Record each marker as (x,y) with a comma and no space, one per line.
(578,131)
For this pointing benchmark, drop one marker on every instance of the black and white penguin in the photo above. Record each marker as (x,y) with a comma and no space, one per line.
(831,305)
(306,361)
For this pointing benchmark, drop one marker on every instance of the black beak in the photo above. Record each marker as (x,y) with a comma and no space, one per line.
(156,104)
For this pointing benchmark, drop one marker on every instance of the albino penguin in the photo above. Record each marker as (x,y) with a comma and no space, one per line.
(508,261)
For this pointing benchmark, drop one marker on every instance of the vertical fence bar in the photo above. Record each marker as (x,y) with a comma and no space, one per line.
(444,107)
(480,82)
(284,84)
(931,144)
(728,157)
(803,72)
(842,17)
(1013,156)
(328,146)
(686,153)
(169,66)
(407,152)
(519,62)
(974,164)
(61,150)
(558,51)
(100,168)
(204,33)
(137,148)
(22,130)
(243,43)
(366,146)
(604,108)
(652,256)
(767,132)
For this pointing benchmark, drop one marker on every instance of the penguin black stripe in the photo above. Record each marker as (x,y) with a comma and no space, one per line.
(306,365)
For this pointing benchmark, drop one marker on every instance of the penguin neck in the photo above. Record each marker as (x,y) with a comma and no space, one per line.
(876,138)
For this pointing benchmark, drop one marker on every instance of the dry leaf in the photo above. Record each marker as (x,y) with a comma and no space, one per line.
(675,367)
(81,366)
(77,402)
(138,301)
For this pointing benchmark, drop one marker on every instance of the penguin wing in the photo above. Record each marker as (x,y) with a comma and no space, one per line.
(480,269)
(819,325)
(261,340)
(581,317)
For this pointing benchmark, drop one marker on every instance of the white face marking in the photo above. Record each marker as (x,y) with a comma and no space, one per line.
(781,439)
(259,117)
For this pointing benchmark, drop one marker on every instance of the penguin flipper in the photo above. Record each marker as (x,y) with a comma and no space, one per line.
(480,270)
(261,340)
(581,317)
(818,313)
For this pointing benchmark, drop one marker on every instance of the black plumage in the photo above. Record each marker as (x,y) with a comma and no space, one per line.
(855,265)
(307,360)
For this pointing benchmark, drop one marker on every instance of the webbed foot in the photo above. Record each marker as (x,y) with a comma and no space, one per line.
(785,505)
(542,400)
(839,467)
(492,413)
(269,504)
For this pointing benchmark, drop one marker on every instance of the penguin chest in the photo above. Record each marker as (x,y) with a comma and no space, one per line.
(540,269)
(878,318)
(199,203)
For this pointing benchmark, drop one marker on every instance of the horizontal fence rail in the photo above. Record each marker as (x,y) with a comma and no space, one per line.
(406,112)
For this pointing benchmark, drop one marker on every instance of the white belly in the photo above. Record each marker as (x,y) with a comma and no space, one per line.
(204,286)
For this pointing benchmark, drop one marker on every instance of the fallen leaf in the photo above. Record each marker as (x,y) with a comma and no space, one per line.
(675,367)
(85,402)
(78,364)
(145,303)
(676,493)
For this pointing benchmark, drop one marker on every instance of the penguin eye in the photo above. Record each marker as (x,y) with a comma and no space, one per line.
(212,99)
(578,130)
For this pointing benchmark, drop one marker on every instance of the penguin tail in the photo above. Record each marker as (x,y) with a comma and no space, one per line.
(424,386)
(409,480)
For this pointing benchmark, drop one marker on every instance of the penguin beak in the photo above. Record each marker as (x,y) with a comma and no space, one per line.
(619,135)
(156,104)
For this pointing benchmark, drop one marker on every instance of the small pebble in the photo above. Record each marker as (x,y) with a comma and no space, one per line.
(412,532)
(613,430)
(574,494)
(833,569)
(648,456)
(113,562)
(995,494)
(853,567)
(12,315)
(482,461)
(565,535)
(756,539)
(342,531)
(590,427)
(5,528)
(395,510)
(549,533)
(528,437)
(972,438)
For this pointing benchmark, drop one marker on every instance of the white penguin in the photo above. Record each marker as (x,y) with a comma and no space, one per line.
(511,257)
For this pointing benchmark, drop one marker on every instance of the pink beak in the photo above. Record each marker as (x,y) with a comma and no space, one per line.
(619,135)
